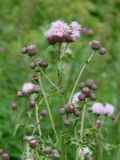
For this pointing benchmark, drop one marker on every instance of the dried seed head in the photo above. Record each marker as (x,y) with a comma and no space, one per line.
(69,108)
(102,51)
(95,44)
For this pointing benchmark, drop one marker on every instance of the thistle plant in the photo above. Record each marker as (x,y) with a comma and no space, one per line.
(83,119)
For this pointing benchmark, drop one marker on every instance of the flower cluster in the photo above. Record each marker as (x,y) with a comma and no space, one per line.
(102,109)
(30,50)
(60,31)
(87,89)
(28,88)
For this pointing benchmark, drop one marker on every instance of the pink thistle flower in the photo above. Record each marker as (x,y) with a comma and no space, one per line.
(56,32)
(108,109)
(75,98)
(103,109)
(97,108)
(84,151)
(75,32)
(29,88)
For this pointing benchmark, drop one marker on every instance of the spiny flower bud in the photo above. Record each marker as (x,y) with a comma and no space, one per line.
(94,86)
(4,156)
(62,110)
(32,65)
(20,94)
(33,143)
(24,50)
(76,112)
(37,69)
(35,78)
(95,44)
(89,82)
(42,62)
(88,158)
(47,150)
(32,103)
(81,85)
(44,112)
(55,154)
(67,122)
(93,96)
(13,106)
(31,50)
(69,108)
(102,51)
(81,97)
(86,90)
(98,124)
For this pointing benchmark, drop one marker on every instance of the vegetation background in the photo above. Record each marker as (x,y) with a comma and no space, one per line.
(23,22)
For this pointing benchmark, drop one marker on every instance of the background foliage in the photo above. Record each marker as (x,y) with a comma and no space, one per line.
(23,22)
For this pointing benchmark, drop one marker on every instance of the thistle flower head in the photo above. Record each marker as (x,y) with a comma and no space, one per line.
(104,109)
(75,98)
(27,87)
(84,151)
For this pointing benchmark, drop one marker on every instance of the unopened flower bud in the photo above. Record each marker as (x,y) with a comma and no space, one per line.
(37,69)
(81,85)
(113,118)
(67,122)
(32,103)
(24,50)
(76,112)
(98,124)
(88,158)
(44,112)
(32,65)
(4,156)
(33,143)
(47,150)
(95,44)
(86,90)
(69,108)
(13,106)
(93,96)
(81,97)
(62,110)
(55,154)
(94,86)
(20,94)
(31,50)
(102,51)
(42,62)
(34,78)
(89,82)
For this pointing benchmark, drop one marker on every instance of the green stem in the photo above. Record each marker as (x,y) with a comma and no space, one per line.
(37,120)
(99,145)
(79,75)
(81,130)
(48,107)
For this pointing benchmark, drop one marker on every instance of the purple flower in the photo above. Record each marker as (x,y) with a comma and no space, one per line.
(60,31)
(56,32)
(102,109)
(75,98)
(84,151)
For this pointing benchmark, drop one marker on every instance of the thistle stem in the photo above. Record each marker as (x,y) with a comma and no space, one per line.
(79,75)
(37,120)
(48,107)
